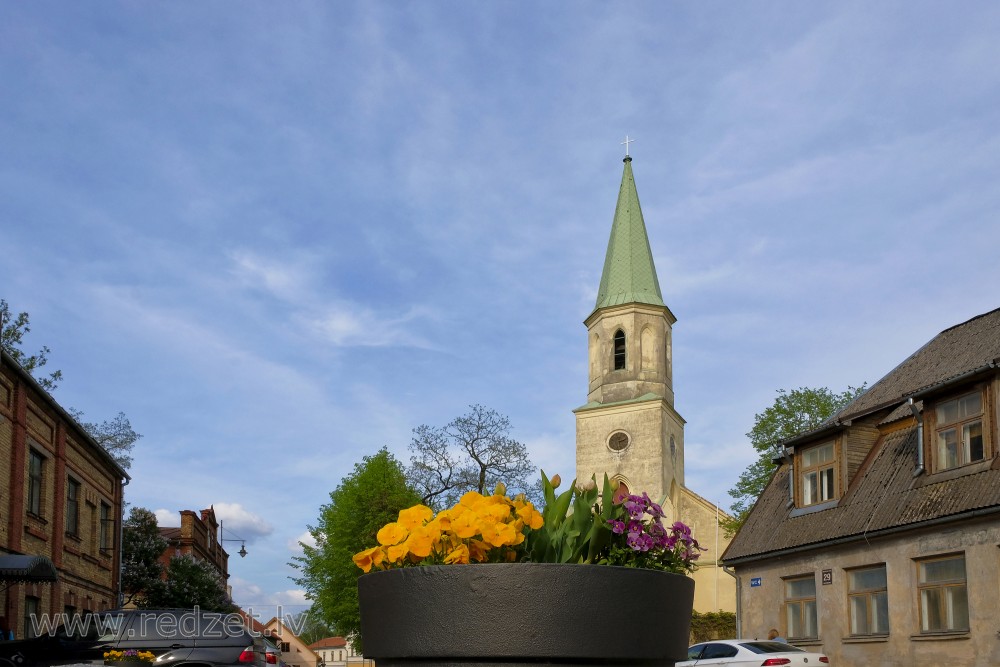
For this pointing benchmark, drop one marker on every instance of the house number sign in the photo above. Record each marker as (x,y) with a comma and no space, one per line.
(827,577)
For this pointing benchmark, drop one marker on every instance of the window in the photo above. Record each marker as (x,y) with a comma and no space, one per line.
(800,607)
(36,466)
(72,507)
(818,474)
(959,433)
(619,341)
(285,647)
(944,603)
(716,651)
(868,601)
(31,605)
(107,526)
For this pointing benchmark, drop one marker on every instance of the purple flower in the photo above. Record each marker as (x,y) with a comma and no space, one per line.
(617,527)
(634,509)
(635,527)
(681,528)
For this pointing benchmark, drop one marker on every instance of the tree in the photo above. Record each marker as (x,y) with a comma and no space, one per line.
(12,330)
(792,413)
(116,436)
(367,499)
(142,546)
(472,453)
(190,582)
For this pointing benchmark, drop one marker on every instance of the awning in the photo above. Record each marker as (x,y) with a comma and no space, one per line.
(16,568)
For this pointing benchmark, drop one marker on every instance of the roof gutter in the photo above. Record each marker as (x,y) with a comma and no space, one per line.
(885,532)
(926,391)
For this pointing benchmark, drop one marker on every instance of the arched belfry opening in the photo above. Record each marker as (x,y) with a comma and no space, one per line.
(619,346)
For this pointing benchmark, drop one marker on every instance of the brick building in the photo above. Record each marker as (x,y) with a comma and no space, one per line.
(198,537)
(61,503)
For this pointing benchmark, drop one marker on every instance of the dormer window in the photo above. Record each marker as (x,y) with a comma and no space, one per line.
(818,474)
(958,434)
(619,342)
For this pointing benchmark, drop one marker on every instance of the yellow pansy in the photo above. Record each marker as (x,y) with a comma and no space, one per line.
(419,543)
(392,533)
(415,516)
(458,556)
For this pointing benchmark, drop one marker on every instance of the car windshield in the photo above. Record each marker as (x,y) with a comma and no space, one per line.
(770,647)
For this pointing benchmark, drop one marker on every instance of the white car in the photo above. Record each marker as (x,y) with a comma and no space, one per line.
(750,653)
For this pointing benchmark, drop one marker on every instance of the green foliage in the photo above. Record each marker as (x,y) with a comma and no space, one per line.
(793,412)
(12,330)
(577,536)
(142,547)
(367,499)
(712,625)
(116,436)
(190,583)
(578,529)
(472,453)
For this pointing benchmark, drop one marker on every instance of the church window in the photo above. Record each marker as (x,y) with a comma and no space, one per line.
(619,350)
(958,433)
(618,441)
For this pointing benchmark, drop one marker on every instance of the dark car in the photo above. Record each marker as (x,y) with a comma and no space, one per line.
(173,636)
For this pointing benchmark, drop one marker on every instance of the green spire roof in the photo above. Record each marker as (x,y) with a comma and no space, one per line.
(629,275)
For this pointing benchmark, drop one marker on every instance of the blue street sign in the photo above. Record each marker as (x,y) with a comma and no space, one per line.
(755,582)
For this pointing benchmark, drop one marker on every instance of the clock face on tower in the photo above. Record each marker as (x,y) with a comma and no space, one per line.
(618,441)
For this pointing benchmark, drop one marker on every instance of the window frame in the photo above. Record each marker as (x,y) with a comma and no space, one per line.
(959,424)
(36,482)
(72,519)
(944,601)
(801,602)
(819,469)
(106,540)
(868,595)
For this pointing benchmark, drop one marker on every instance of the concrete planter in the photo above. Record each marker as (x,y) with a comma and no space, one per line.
(522,614)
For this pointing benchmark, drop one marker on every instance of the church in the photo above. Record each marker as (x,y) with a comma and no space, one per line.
(629,428)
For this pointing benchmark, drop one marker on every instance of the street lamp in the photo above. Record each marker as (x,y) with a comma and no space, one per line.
(222,538)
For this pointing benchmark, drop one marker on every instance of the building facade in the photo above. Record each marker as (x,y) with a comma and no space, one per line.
(62,502)
(338,652)
(877,538)
(629,428)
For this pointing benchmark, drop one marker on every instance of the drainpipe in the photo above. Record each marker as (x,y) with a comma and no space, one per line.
(121,543)
(739,599)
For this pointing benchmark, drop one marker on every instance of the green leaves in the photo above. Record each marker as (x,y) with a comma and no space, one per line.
(571,537)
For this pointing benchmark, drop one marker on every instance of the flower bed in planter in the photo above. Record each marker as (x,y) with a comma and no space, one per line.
(519,614)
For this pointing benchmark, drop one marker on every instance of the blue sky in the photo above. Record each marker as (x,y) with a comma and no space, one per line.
(279,236)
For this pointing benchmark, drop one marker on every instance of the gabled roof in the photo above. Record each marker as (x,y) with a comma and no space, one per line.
(629,275)
(329,642)
(885,496)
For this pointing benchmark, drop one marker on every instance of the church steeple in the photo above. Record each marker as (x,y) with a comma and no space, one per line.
(629,275)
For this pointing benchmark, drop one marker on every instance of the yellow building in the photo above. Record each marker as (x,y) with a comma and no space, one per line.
(62,505)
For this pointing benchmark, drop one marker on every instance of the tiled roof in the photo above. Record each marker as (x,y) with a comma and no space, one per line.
(953,352)
(329,642)
(887,496)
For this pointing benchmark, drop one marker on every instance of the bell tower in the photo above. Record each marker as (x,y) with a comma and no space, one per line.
(629,428)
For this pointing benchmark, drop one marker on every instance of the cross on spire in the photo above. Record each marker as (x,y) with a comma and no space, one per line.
(626,143)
